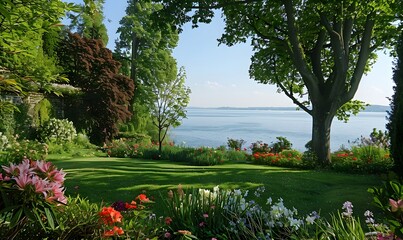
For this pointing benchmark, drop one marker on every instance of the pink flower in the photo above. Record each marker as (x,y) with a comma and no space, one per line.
(43,166)
(56,193)
(205,215)
(167,235)
(25,167)
(23,180)
(396,205)
(12,170)
(41,185)
(57,175)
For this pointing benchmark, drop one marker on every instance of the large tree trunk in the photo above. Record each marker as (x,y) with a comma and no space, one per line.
(322,121)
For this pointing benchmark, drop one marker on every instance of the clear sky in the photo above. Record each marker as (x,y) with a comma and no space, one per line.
(218,75)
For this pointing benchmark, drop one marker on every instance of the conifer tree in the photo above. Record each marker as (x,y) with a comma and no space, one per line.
(395,125)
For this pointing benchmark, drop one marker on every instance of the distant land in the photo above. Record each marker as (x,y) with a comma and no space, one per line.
(371,108)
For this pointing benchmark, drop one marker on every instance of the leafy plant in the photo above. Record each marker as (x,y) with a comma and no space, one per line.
(235,144)
(42,113)
(389,199)
(281,144)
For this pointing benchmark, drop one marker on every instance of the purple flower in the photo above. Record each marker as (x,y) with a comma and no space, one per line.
(119,206)
(348,209)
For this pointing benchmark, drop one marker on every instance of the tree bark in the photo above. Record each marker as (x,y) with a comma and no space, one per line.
(321,125)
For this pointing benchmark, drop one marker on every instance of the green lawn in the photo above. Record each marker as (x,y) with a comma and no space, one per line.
(110,179)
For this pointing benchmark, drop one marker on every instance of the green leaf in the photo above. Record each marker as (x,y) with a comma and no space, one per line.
(5,13)
(38,217)
(49,216)
(16,218)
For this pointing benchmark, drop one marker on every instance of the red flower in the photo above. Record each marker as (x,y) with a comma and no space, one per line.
(110,215)
(168,220)
(132,205)
(115,231)
(143,198)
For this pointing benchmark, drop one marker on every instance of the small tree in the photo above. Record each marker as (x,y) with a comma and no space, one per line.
(395,125)
(167,102)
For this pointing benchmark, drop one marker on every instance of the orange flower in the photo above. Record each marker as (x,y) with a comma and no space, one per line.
(110,215)
(142,198)
(132,205)
(115,231)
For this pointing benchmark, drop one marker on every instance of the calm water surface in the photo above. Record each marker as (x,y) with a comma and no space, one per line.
(212,127)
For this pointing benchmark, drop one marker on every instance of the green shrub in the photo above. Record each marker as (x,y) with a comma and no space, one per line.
(236,155)
(18,150)
(281,144)
(42,113)
(235,144)
(204,156)
(7,121)
(82,140)
(138,138)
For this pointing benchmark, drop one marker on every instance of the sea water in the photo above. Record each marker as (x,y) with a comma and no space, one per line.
(211,127)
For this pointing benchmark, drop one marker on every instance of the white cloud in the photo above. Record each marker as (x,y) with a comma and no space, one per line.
(213,85)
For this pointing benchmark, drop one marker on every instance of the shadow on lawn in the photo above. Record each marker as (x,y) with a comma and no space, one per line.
(112,179)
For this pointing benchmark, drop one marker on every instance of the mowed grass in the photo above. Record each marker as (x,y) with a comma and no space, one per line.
(103,179)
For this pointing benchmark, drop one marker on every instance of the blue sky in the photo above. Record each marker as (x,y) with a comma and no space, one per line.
(218,75)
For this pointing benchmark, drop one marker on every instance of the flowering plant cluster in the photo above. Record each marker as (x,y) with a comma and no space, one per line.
(136,215)
(17,150)
(286,158)
(216,214)
(30,190)
(58,131)
(368,159)
(3,141)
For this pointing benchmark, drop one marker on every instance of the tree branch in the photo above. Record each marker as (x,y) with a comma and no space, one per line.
(316,56)
(221,5)
(289,93)
(297,54)
(364,54)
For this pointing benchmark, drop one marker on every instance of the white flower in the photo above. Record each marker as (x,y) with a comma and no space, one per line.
(237,192)
(269,201)
(310,219)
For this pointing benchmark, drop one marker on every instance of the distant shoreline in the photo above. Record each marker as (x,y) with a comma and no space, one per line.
(371,108)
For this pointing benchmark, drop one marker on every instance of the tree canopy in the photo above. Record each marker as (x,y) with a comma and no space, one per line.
(22,26)
(106,93)
(139,48)
(315,51)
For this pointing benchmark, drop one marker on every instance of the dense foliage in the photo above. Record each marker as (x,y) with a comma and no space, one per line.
(145,52)
(106,94)
(395,125)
